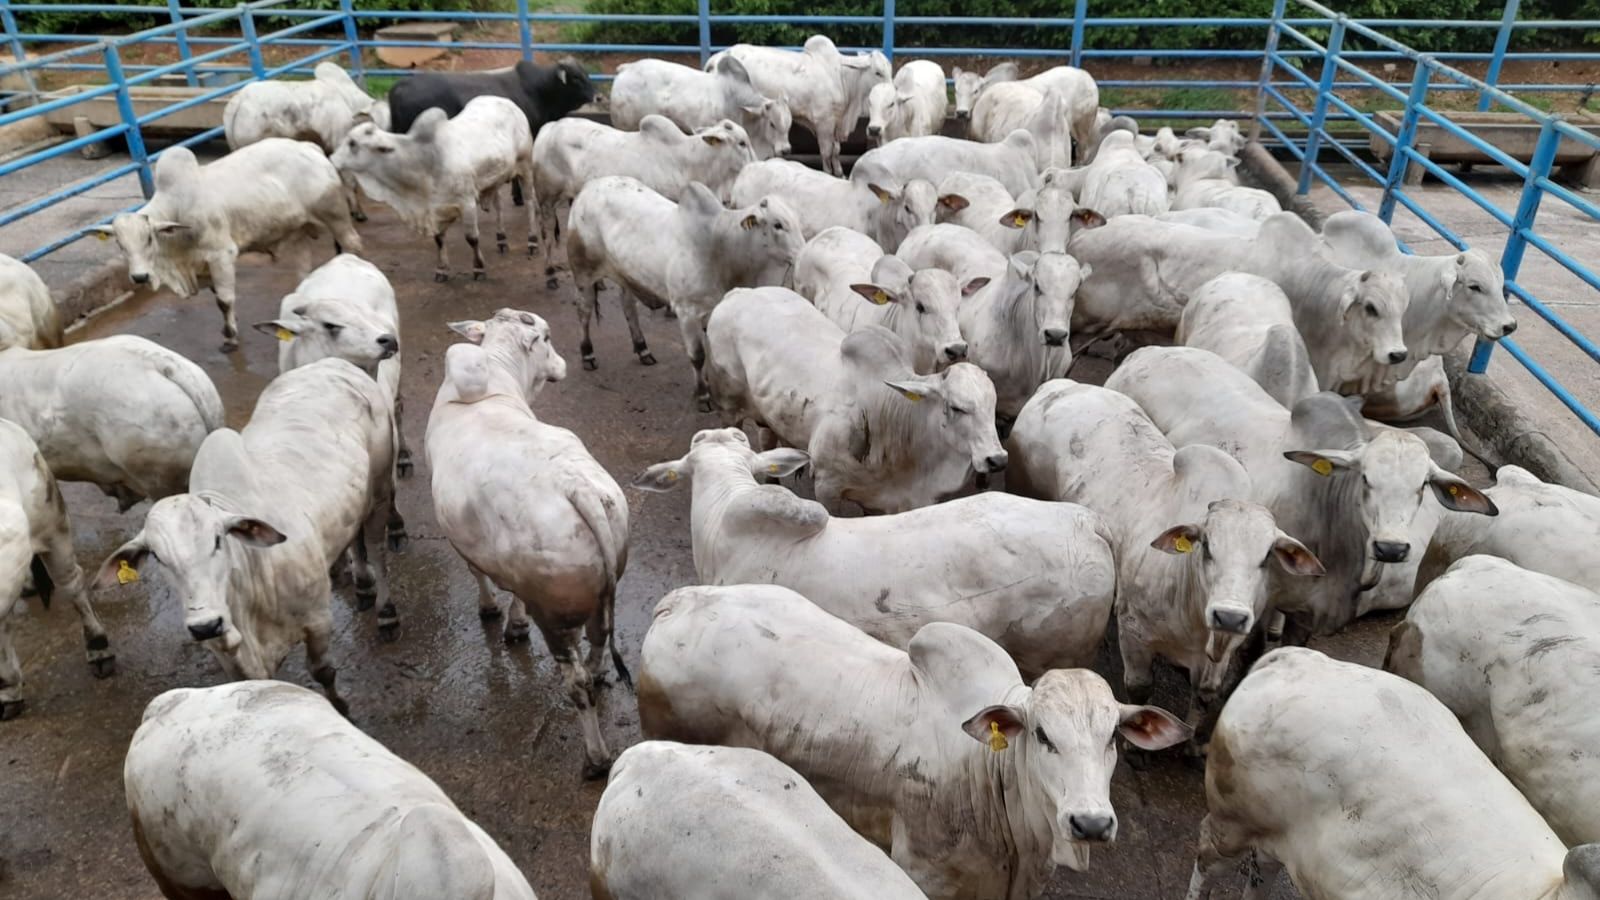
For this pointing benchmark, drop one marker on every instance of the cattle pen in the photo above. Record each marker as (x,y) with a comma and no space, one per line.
(1455,149)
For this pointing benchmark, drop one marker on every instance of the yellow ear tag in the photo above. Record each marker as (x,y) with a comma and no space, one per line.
(284,334)
(1021,221)
(772,469)
(880,298)
(914,398)
(1182,544)
(672,474)
(1322,467)
(997,741)
(1454,489)
(101,236)
(126,574)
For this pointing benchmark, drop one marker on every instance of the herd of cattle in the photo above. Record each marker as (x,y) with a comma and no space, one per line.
(914,679)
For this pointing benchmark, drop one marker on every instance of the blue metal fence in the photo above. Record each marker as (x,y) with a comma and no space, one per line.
(219,63)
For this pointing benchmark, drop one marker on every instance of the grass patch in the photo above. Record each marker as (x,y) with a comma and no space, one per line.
(379,85)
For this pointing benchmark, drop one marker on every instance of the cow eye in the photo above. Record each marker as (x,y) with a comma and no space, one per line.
(218,545)
(382,149)
(957,411)
(777,226)
(921,308)
(332,328)
(1372,310)
(1038,732)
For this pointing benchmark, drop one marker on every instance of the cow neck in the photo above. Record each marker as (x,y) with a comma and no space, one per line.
(1430,328)
(1328,508)
(719,480)
(508,373)
(1007,810)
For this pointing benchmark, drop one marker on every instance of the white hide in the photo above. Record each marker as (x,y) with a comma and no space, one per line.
(1079,93)
(1246,320)
(1013,105)
(1364,787)
(1118,182)
(931,158)
(28,314)
(878,434)
(913,105)
(321,110)
(261,791)
(969,86)
(1203,180)
(1036,578)
(1039,220)
(1217,221)
(886,211)
(985,815)
(694,99)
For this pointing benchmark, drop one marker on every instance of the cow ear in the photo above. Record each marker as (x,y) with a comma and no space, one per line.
(253,531)
(1152,728)
(1203,134)
(712,139)
(749,222)
(1087,218)
(884,195)
(1322,462)
(1017,218)
(996,726)
(469,329)
(101,232)
(561,75)
(1179,539)
(282,329)
(915,391)
(122,567)
(779,463)
(877,296)
(954,202)
(1453,493)
(974,286)
(171,229)
(1295,558)
(663,476)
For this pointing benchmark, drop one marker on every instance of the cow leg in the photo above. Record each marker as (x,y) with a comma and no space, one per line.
(366,583)
(630,312)
(694,341)
(488,609)
(222,284)
(469,224)
(1296,630)
(345,237)
(588,306)
(373,533)
(828,147)
(518,625)
(548,210)
(602,634)
(499,223)
(62,566)
(1214,854)
(11,702)
(402,463)
(352,197)
(441,268)
(1138,663)
(1264,876)
(563,644)
(318,636)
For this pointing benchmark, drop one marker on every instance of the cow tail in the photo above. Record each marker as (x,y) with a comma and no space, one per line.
(593,512)
(200,391)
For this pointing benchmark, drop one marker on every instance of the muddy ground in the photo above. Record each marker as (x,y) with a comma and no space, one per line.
(484,719)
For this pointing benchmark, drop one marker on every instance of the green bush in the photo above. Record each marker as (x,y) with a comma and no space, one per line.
(122,23)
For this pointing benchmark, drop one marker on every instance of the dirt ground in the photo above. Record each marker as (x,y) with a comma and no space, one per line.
(484,719)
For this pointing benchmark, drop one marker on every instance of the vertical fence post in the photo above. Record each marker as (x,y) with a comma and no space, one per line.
(1501,41)
(1319,114)
(888,29)
(1405,137)
(352,36)
(704,9)
(14,37)
(1544,159)
(1080,11)
(524,30)
(1268,55)
(247,22)
(182,37)
(130,118)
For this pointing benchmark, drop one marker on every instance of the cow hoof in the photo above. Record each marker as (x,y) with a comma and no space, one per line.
(398,541)
(230,345)
(103,667)
(552,283)
(503,248)
(441,277)
(647,358)
(388,632)
(517,632)
(10,709)
(403,466)
(594,771)
(703,403)
(359,216)
(670,313)
(365,600)
(489,613)
(340,707)
(479,275)
(589,364)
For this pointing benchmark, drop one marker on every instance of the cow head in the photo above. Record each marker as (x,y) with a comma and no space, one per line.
(1047,284)
(379,157)
(771,239)
(192,536)
(1227,552)
(962,399)
(322,328)
(883,110)
(1476,292)
(1055,216)
(731,139)
(969,85)
(1063,737)
(900,209)
(932,299)
(1388,478)
(1372,310)
(557,90)
(149,245)
(768,122)
(520,343)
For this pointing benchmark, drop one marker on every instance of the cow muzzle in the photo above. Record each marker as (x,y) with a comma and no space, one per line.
(1390,551)
(963,114)
(1507,328)
(139,277)
(995,462)
(955,352)
(1055,337)
(207,629)
(1231,621)
(1099,827)
(874,130)
(389,345)
(1395,357)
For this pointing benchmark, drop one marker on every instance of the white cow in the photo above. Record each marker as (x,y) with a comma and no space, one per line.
(321,111)
(26,307)
(878,433)
(698,251)
(877,731)
(694,99)
(270,509)
(36,548)
(1040,220)
(571,152)
(1192,550)
(1080,94)
(913,105)
(1036,578)
(527,507)
(1365,787)
(1356,499)
(1246,320)
(260,791)
(1218,221)
(771,836)
(120,412)
(821,90)
(1205,179)
(443,168)
(1223,136)
(969,86)
(1045,114)
(1017,325)
(848,277)
(1119,182)
(885,212)
(931,158)
(1541,527)
(269,196)
(1511,653)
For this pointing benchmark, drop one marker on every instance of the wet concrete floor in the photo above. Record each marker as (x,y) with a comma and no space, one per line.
(486,720)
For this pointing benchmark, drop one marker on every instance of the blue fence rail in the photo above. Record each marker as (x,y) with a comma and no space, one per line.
(1293,109)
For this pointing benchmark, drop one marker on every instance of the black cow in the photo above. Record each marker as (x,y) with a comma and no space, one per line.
(542,93)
